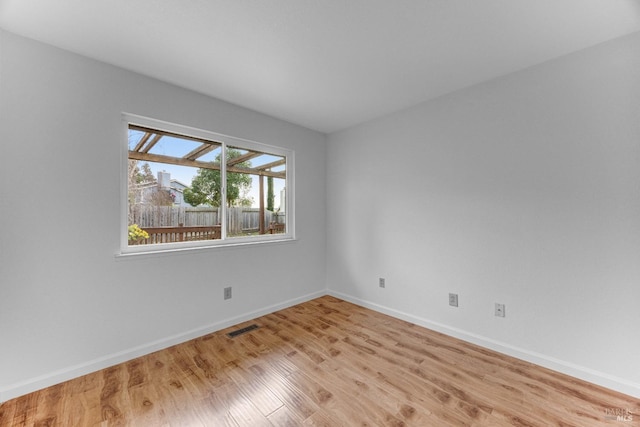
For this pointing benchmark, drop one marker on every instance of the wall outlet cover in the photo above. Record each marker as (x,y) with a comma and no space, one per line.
(453,300)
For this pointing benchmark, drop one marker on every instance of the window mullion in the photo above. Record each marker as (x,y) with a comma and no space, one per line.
(223,191)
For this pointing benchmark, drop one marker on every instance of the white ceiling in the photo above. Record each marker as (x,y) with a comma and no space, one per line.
(325,65)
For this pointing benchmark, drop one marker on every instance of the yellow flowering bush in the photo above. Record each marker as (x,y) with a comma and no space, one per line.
(137,234)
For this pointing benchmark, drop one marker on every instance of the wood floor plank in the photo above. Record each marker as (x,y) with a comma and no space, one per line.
(261,396)
(285,417)
(325,362)
(295,401)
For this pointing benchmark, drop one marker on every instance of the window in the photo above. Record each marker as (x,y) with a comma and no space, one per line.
(180,193)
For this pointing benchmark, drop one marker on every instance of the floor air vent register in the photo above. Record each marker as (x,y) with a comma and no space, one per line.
(242,331)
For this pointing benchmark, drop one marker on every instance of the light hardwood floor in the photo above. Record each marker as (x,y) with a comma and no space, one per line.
(325,362)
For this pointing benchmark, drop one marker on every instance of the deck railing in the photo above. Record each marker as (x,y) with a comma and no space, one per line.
(276,228)
(181,234)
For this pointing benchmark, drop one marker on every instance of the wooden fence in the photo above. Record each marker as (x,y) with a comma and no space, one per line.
(239,220)
(147,216)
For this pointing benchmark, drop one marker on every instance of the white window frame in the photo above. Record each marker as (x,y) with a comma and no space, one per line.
(225,140)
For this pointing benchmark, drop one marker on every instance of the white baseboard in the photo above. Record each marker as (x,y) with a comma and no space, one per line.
(621,385)
(605,380)
(15,390)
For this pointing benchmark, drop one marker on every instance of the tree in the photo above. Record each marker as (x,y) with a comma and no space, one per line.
(135,177)
(132,180)
(132,187)
(161,197)
(206,186)
(146,175)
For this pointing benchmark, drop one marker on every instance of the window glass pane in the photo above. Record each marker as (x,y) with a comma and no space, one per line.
(256,193)
(181,194)
(174,188)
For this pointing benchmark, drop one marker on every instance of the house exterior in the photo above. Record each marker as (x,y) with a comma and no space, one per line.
(174,188)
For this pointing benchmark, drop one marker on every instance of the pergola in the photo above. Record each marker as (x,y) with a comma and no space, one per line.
(142,149)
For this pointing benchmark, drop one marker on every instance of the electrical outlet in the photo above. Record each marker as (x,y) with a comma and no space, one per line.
(500,310)
(227,293)
(381,282)
(453,300)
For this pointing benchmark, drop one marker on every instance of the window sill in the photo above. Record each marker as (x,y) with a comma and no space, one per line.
(193,249)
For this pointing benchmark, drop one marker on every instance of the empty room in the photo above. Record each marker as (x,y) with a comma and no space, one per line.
(323,213)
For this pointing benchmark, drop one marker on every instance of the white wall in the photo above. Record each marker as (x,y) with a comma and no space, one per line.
(67,304)
(525,191)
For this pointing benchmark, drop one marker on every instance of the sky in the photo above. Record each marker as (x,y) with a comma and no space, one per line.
(178,147)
